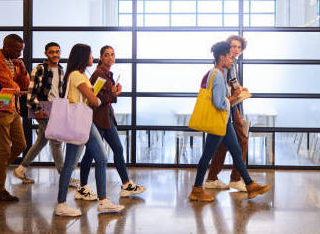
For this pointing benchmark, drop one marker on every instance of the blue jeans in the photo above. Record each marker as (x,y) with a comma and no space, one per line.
(96,148)
(73,153)
(112,137)
(212,143)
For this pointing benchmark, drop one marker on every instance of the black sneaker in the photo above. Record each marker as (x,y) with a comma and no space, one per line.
(131,188)
(6,196)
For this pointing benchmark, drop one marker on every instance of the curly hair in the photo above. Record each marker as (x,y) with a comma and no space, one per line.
(238,38)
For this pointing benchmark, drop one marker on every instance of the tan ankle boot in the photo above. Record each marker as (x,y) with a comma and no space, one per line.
(256,189)
(199,194)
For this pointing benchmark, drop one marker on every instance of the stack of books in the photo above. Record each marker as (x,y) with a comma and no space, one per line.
(6,95)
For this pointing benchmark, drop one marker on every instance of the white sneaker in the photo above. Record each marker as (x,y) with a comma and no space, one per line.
(215,184)
(131,188)
(238,185)
(85,193)
(106,205)
(74,183)
(63,209)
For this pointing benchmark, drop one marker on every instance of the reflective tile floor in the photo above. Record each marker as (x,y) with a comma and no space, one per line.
(292,206)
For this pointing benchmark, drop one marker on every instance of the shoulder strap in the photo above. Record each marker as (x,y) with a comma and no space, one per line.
(67,90)
(211,79)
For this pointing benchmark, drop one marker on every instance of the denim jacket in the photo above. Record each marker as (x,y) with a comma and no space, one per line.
(220,90)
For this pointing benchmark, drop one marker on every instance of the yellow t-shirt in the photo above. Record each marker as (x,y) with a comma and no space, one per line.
(77,78)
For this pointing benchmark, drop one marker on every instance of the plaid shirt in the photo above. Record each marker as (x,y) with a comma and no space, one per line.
(40,85)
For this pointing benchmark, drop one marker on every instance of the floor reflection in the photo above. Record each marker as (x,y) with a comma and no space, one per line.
(291,206)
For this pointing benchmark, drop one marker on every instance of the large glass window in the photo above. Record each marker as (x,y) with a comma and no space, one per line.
(259,12)
(164,111)
(122,110)
(282,45)
(283,112)
(178,45)
(156,147)
(296,13)
(83,13)
(169,147)
(11,13)
(297,149)
(187,13)
(120,41)
(260,148)
(281,13)
(170,77)
(161,68)
(276,78)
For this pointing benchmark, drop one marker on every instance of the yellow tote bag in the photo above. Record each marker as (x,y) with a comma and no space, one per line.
(205,116)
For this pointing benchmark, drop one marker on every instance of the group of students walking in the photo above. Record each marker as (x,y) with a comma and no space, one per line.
(48,81)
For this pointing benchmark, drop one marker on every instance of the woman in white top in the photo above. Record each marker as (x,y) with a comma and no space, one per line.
(81,57)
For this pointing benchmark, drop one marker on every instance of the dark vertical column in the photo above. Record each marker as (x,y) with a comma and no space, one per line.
(134,83)
(27,56)
(241,34)
(273,159)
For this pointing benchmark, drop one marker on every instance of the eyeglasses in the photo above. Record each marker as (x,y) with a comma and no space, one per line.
(54,52)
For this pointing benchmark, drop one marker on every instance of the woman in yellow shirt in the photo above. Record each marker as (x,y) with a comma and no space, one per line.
(79,86)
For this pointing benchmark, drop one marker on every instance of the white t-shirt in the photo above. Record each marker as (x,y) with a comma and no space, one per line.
(54,92)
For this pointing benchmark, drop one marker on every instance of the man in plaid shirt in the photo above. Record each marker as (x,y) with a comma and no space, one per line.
(46,84)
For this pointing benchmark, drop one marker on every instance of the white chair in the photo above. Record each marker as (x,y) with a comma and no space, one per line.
(185,140)
(261,142)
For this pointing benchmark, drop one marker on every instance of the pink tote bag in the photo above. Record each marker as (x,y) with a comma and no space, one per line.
(69,122)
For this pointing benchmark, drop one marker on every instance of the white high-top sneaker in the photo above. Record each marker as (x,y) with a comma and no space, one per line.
(215,184)
(63,209)
(238,185)
(106,205)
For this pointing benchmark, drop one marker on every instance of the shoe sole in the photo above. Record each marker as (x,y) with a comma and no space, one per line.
(240,190)
(266,189)
(201,200)
(80,197)
(110,210)
(27,181)
(69,215)
(209,187)
(127,194)
(22,178)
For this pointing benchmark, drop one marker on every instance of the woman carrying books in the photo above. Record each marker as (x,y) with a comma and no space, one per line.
(103,118)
